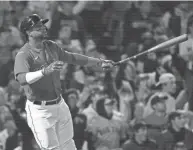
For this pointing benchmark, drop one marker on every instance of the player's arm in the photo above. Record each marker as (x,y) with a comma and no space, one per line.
(78,59)
(83,60)
(22,70)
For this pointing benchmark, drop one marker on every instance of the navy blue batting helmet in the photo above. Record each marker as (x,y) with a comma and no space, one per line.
(30,21)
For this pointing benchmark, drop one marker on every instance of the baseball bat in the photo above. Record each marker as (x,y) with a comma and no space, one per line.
(163,45)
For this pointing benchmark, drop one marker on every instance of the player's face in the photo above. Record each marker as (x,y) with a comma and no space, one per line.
(39,31)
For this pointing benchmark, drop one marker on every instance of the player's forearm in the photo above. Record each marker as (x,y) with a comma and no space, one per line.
(82,60)
(88,61)
(94,61)
(30,77)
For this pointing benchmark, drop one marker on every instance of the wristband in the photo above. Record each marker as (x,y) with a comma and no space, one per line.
(43,71)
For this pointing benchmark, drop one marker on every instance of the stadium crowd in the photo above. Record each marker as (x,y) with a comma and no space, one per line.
(145,104)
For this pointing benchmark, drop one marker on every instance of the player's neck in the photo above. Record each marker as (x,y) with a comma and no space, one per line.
(38,44)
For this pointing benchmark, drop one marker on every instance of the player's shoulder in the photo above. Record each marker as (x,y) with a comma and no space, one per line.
(24,51)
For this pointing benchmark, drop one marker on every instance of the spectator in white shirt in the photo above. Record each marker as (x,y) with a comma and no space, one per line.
(167,81)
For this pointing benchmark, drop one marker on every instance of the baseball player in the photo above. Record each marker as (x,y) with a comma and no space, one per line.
(36,68)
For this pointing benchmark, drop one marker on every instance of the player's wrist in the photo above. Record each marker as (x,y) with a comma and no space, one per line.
(43,72)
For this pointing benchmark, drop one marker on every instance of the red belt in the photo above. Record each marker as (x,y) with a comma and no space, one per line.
(51,102)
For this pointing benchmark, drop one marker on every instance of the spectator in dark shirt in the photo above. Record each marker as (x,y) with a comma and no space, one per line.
(67,26)
(137,21)
(156,121)
(175,133)
(140,140)
(7,68)
(71,96)
(22,128)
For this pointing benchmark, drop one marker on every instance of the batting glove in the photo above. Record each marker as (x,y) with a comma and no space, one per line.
(55,66)
(107,64)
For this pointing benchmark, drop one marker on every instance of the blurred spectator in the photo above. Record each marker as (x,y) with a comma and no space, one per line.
(92,17)
(71,97)
(107,132)
(79,120)
(90,110)
(104,104)
(9,37)
(168,87)
(137,21)
(183,62)
(7,68)
(175,133)
(138,113)
(156,121)
(3,138)
(3,98)
(140,140)
(66,27)
(147,83)
(20,10)
(180,146)
(126,95)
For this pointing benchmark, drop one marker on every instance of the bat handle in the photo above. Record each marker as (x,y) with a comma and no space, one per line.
(117,63)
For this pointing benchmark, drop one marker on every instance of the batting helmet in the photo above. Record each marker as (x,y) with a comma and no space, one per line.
(30,21)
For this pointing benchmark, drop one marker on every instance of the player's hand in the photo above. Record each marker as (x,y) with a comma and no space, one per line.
(55,66)
(107,64)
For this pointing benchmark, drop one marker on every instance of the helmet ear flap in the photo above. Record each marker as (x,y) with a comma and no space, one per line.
(25,36)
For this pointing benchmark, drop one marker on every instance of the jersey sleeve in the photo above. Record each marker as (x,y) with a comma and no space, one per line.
(22,64)
(72,58)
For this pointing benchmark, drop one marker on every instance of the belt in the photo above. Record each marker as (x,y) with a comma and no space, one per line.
(51,102)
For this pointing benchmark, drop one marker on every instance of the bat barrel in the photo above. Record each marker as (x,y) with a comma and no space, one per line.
(163,45)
